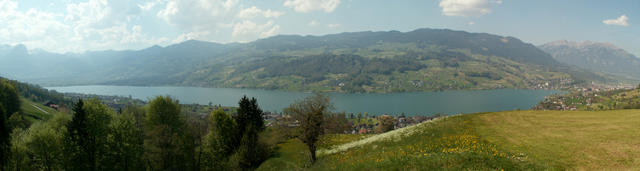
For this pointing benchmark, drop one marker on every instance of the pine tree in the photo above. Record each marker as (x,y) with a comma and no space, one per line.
(249,115)
(250,123)
(77,140)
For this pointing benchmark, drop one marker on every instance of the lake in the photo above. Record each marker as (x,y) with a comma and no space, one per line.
(414,103)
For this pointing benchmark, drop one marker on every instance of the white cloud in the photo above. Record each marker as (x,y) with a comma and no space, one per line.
(32,27)
(196,15)
(254,11)
(249,28)
(313,23)
(466,8)
(620,21)
(271,32)
(212,19)
(149,5)
(190,36)
(104,24)
(312,5)
(471,23)
(333,25)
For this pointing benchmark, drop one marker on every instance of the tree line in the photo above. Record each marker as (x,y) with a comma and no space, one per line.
(152,137)
(157,136)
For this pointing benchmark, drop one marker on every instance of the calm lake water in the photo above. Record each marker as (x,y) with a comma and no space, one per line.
(415,103)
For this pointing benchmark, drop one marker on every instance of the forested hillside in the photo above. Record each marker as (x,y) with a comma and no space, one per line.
(420,60)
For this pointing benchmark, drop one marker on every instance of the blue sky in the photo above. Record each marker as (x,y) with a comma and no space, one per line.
(77,26)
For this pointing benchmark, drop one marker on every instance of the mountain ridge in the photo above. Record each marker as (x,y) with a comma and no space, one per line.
(595,56)
(420,60)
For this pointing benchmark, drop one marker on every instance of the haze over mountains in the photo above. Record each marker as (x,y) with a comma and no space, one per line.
(601,57)
(420,60)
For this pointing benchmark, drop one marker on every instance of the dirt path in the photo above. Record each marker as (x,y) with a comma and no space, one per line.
(39,108)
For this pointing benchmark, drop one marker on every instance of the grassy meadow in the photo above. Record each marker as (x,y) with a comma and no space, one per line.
(32,113)
(568,139)
(512,140)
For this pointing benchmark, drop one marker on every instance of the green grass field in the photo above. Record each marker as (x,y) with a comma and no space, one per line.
(513,140)
(568,139)
(32,113)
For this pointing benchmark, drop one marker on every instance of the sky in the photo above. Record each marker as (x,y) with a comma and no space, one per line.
(77,26)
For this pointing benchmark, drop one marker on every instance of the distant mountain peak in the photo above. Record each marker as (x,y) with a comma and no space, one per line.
(597,56)
(583,44)
(19,50)
(154,47)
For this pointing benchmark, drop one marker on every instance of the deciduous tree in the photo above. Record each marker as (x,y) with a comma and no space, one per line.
(310,113)
(164,125)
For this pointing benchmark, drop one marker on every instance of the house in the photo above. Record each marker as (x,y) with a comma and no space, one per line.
(51,105)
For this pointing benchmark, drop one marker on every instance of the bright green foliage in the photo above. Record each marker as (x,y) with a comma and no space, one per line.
(87,136)
(40,146)
(220,139)
(310,112)
(125,144)
(164,126)
(164,111)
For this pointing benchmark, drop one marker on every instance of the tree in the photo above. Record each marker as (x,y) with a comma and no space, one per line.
(5,139)
(336,123)
(40,146)
(164,125)
(385,123)
(248,114)
(86,137)
(125,144)
(250,123)
(77,140)
(9,104)
(193,142)
(9,97)
(310,113)
(220,139)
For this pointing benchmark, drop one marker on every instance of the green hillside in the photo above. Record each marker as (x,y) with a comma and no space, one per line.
(513,140)
(33,111)
(420,60)
(593,100)
(386,61)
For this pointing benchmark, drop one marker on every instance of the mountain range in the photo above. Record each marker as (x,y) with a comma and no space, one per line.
(600,57)
(389,61)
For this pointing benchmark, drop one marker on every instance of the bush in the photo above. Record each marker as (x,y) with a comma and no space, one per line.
(386,123)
